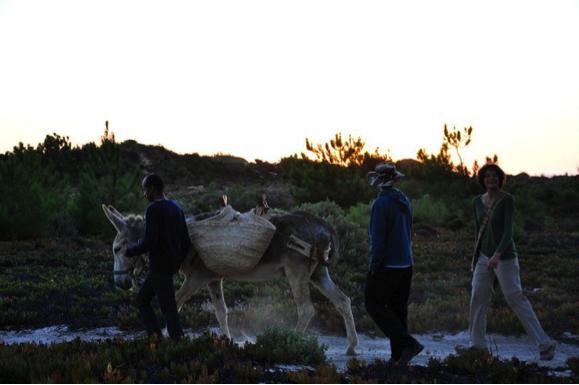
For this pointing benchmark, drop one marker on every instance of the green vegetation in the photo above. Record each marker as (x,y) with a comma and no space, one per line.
(57,263)
(312,181)
(428,209)
(287,346)
(212,359)
(464,367)
(56,190)
(338,172)
(206,359)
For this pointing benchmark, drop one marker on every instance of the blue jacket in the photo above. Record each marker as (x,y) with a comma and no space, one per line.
(390,230)
(166,237)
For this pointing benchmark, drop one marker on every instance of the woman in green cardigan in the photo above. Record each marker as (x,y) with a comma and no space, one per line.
(496,255)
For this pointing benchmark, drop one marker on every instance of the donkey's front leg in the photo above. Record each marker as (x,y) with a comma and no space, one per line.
(216,293)
(193,282)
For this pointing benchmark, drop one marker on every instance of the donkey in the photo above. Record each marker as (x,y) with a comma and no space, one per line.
(278,260)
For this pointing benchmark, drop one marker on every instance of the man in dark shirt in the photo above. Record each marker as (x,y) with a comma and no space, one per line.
(390,266)
(167,241)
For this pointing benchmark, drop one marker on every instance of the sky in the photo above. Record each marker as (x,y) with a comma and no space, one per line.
(255,78)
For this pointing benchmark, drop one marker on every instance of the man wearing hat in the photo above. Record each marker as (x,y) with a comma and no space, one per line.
(390,271)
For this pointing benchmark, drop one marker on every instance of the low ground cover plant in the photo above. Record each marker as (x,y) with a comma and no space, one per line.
(57,263)
(212,359)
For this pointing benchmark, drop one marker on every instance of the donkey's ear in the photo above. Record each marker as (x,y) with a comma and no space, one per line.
(264,202)
(116,220)
(116,212)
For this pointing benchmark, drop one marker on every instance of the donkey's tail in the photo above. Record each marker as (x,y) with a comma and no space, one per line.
(327,246)
(334,255)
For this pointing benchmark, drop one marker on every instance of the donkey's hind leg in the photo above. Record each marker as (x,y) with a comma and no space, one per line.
(299,283)
(216,292)
(321,279)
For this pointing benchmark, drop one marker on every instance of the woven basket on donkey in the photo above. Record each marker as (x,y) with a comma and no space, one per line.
(231,243)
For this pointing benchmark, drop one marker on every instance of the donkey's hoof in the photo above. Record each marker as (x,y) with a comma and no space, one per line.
(351,351)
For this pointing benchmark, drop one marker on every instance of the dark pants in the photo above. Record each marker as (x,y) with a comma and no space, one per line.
(386,296)
(160,285)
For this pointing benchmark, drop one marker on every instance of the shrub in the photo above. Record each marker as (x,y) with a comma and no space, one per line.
(325,209)
(314,182)
(55,189)
(283,345)
(206,359)
(244,197)
(93,191)
(431,210)
(486,368)
(276,211)
(32,199)
(360,214)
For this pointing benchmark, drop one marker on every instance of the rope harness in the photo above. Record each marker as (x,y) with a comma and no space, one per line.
(313,253)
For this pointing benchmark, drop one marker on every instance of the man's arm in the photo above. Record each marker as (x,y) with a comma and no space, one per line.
(151,235)
(378,231)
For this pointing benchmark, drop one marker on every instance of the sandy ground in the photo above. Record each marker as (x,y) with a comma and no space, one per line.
(437,345)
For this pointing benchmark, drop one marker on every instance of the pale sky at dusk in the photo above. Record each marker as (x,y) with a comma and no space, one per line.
(255,78)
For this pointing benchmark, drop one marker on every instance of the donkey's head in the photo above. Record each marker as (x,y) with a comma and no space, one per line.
(129,229)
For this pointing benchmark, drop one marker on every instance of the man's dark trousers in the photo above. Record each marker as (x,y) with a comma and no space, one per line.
(386,296)
(160,285)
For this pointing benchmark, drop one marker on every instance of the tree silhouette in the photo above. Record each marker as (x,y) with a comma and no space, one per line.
(493,160)
(349,152)
(475,168)
(439,164)
(488,160)
(112,152)
(458,139)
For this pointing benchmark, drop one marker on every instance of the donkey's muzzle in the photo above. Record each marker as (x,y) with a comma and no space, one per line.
(122,281)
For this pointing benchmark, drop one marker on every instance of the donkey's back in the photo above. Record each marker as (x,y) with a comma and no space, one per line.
(302,226)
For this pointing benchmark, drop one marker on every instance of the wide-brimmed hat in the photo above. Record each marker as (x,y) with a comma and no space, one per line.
(384,174)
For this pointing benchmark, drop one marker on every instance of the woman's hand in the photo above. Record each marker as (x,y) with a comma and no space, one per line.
(494,261)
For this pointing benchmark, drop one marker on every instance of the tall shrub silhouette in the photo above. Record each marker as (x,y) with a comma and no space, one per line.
(335,170)
(442,175)
(458,139)
(33,193)
(55,189)
(343,152)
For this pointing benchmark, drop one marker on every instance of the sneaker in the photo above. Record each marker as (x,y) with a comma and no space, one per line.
(409,353)
(549,353)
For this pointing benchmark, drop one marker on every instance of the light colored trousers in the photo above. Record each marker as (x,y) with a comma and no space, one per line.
(509,278)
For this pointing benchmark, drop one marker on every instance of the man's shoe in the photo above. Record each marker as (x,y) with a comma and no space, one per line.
(409,353)
(392,361)
(549,353)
